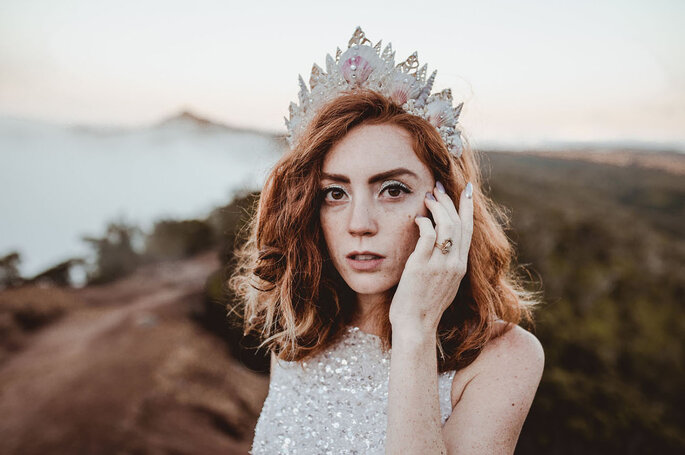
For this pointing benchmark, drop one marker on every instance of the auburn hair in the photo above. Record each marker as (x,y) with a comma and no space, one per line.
(285,285)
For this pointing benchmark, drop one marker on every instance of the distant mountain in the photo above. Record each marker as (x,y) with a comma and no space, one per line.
(185,121)
(189,119)
(82,177)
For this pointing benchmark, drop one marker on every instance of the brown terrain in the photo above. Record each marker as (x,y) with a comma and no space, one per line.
(128,371)
(671,162)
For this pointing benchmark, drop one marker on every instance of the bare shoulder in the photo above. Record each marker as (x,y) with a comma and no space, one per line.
(514,345)
(514,355)
(492,396)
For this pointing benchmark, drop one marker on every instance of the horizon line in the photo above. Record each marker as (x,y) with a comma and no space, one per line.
(538,144)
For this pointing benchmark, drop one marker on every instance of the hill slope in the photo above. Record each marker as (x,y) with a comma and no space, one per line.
(130,372)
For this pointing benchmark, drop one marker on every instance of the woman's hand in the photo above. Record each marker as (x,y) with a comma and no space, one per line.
(431,279)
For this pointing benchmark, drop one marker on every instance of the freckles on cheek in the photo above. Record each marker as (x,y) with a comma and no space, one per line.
(407,236)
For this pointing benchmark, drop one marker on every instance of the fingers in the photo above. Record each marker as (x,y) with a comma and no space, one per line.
(424,246)
(443,198)
(459,224)
(444,222)
(449,223)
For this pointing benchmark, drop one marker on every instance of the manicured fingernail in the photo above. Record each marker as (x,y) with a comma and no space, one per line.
(439,186)
(429,195)
(469,190)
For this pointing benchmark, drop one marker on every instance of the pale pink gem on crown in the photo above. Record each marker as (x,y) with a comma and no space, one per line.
(356,69)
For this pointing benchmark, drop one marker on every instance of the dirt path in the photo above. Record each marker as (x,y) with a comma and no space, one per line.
(130,373)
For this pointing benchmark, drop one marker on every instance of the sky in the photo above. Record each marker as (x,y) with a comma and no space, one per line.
(611,70)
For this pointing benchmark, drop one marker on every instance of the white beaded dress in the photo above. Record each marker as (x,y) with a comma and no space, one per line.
(335,403)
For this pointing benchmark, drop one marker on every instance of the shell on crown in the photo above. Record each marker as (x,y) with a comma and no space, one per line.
(357,63)
(402,87)
(364,65)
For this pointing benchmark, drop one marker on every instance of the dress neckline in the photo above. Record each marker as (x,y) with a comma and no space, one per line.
(354,328)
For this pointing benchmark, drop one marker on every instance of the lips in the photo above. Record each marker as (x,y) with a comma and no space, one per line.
(354,254)
(364,261)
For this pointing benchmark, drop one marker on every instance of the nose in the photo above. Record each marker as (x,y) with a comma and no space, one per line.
(362,220)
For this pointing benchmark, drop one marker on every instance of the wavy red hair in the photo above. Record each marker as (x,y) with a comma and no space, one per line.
(296,300)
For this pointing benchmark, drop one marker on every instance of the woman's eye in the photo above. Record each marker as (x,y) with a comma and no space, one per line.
(396,189)
(336,193)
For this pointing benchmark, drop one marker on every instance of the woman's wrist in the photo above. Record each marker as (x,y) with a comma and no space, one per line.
(413,334)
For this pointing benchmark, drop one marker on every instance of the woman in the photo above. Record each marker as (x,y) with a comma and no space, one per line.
(390,310)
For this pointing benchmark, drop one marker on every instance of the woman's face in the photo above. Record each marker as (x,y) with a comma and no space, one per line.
(373,187)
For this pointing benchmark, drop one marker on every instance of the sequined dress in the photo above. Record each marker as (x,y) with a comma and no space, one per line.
(335,403)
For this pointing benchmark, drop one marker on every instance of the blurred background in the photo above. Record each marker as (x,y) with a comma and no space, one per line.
(134,140)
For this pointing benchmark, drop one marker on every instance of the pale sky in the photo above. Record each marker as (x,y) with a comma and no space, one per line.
(527,71)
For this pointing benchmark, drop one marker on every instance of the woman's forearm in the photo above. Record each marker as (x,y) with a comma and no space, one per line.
(414,424)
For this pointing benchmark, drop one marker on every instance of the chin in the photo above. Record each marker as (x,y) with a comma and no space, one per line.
(369,284)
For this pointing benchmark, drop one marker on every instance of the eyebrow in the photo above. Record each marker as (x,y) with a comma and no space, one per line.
(374,178)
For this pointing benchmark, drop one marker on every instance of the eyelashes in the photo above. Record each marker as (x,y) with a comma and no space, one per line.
(390,186)
(395,186)
(326,191)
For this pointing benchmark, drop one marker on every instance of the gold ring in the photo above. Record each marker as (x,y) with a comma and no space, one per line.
(445,246)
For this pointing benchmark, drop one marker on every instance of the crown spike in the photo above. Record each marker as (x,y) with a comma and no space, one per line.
(411,63)
(457,110)
(317,74)
(421,74)
(387,51)
(377,47)
(426,90)
(304,93)
(330,64)
(338,53)
(431,79)
(358,37)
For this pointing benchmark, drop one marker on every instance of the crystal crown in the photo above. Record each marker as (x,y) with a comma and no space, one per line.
(363,66)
